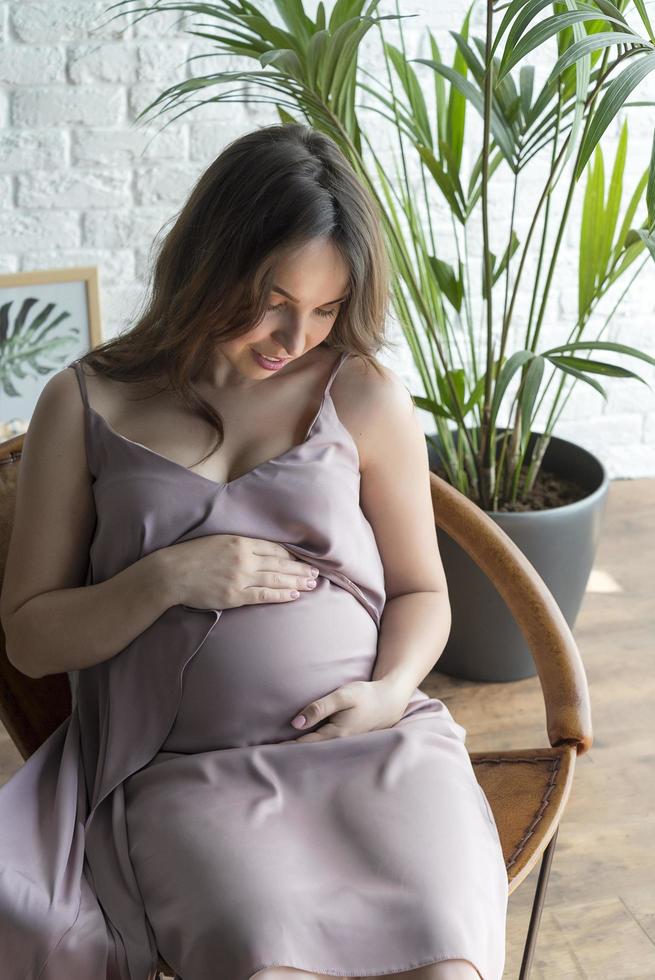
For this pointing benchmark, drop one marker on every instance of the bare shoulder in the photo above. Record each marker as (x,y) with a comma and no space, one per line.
(60,398)
(55,434)
(375,406)
(111,398)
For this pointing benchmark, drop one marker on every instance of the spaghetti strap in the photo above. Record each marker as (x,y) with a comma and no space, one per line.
(77,367)
(326,393)
(88,435)
(337,365)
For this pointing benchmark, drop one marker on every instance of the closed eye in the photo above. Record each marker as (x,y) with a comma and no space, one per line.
(328,313)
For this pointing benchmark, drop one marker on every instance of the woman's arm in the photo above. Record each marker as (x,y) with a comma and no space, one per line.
(395,497)
(52,622)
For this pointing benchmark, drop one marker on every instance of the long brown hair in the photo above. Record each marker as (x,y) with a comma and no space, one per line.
(270,190)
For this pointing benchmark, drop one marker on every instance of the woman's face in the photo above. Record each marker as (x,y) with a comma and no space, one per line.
(310,285)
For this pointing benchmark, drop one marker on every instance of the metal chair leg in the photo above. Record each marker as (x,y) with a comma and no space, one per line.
(537,907)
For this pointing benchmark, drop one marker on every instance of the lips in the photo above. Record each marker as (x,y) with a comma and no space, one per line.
(270,358)
(268,363)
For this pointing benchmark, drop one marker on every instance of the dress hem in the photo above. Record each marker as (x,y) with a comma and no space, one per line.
(365,973)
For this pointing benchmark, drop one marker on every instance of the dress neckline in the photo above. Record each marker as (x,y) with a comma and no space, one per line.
(222,484)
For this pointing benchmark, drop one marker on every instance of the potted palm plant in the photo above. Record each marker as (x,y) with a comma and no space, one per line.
(545,493)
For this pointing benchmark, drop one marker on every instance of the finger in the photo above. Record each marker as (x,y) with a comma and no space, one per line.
(280,560)
(256,594)
(262,546)
(324,733)
(324,707)
(282,580)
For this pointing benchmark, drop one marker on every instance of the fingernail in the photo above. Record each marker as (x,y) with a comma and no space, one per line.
(314,571)
(299,721)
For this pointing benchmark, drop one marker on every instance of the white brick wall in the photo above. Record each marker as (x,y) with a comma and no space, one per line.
(82,184)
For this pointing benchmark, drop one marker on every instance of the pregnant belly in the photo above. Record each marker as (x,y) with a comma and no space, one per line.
(262,663)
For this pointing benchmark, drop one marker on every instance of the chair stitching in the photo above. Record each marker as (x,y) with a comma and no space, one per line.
(550,786)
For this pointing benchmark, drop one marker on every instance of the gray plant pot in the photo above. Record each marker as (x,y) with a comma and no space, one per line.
(484,643)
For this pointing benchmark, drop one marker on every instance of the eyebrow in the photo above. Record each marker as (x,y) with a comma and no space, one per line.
(278,289)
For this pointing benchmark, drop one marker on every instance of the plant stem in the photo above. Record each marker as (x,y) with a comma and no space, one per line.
(487,447)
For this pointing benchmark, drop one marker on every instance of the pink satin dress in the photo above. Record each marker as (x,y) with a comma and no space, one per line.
(174,813)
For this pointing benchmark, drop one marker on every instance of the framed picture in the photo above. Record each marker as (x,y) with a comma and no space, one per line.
(47,318)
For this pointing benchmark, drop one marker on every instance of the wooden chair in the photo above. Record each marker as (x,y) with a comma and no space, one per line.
(527,788)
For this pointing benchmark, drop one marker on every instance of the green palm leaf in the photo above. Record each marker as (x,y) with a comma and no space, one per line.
(544,30)
(589,44)
(502,134)
(618,91)
(600,345)
(596,367)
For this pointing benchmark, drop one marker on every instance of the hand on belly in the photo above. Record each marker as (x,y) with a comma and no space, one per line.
(262,663)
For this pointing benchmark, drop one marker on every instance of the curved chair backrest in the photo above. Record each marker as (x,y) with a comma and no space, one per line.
(541,621)
(32,708)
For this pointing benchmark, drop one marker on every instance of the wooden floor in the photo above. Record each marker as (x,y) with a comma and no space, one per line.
(599,918)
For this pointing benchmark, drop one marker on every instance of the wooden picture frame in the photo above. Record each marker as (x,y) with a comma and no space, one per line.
(48,317)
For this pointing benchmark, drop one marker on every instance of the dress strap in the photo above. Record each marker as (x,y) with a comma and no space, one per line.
(81,380)
(326,395)
(337,365)
(88,436)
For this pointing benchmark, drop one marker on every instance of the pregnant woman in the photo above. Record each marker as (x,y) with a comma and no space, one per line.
(224,534)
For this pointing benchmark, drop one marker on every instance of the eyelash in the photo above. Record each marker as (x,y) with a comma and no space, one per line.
(326,313)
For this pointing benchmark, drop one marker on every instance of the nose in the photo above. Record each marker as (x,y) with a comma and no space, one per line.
(291,338)
(293,348)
